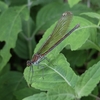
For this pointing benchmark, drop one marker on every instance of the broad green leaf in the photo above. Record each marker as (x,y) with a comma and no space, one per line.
(3,6)
(88,81)
(6,69)
(37,2)
(58,71)
(93,95)
(41,96)
(16,2)
(24,13)
(73,2)
(25,92)
(8,32)
(26,41)
(9,83)
(60,92)
(44,18)
(92,15)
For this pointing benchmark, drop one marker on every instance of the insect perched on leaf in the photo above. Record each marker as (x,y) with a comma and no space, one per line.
(56,37)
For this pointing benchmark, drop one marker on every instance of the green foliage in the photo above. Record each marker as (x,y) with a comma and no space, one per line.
(88,81)
(72,74)
(11,82)
(72,3)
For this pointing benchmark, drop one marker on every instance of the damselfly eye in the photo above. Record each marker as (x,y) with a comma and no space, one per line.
(29,63)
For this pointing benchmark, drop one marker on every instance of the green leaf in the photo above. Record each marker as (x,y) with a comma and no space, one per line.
(88,81)
(6,69)
(41,96)
(3,6)
(9,31)
(72,3)
(24,13)
(26,42)
(9,83)
(44,19)
(60,92)
(92,15)
(56,72)
(93,95)
(25,92)
(16,2)
(37,2)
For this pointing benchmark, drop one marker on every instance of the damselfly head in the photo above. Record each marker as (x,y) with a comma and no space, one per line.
(29,63)
(67,13)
